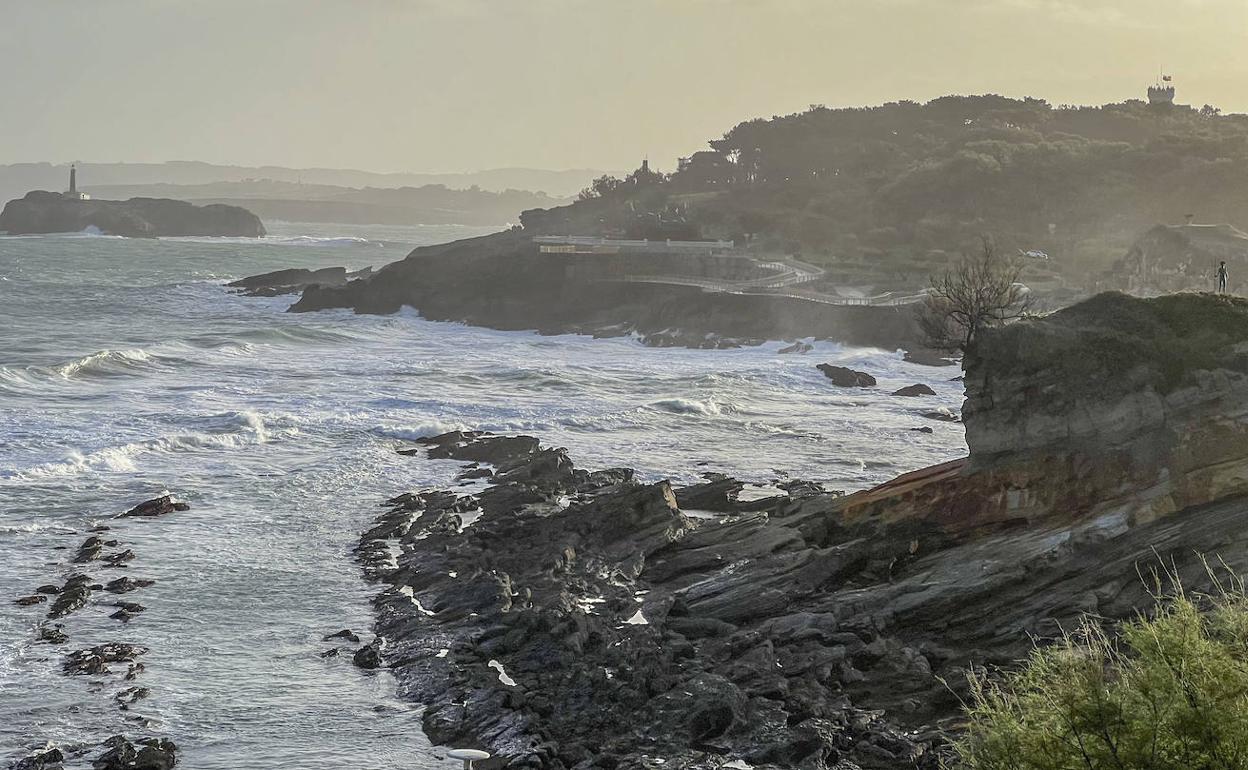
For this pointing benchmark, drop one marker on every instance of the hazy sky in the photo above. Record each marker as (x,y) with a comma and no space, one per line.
(445,85)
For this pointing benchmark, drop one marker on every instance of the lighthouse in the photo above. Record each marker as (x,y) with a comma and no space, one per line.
(72,193)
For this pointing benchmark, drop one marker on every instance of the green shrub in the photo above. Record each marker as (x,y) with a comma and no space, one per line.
(1167,692)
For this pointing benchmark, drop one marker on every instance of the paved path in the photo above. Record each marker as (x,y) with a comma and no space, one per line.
(789,275)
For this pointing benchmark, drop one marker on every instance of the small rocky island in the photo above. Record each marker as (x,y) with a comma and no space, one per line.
(40,212)
(562,618)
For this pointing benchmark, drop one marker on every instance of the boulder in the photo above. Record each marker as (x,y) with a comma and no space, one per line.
(846,378)
(914,390)
(159,506)
(369,656)
(142,754)
(50,758)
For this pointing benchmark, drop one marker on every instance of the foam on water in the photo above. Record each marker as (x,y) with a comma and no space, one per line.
(128,371)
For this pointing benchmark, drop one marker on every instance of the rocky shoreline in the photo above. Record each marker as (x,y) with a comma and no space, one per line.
(563,618)
(117,664)
(501,281)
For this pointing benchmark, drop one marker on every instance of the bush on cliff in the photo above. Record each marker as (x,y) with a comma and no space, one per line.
(1169,692)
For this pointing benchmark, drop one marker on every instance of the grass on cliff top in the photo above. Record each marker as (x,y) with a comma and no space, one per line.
(1166,692)
(1112,334)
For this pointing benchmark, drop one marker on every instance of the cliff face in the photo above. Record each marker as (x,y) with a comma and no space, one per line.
(45,212)
(502,281)
(1117,407)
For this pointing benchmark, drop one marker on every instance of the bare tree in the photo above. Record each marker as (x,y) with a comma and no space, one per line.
(982,290)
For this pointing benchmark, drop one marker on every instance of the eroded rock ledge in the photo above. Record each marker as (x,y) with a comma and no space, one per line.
(561,618)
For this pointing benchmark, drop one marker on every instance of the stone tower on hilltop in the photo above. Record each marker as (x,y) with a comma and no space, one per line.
(72,193)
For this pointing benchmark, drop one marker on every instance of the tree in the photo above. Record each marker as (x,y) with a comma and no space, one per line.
(601,187)
(1169,692)
(980,291)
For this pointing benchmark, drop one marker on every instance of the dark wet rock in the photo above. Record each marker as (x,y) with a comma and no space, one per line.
(942,416)
(95,660)
(90,549)
(923,429)
(716,495)
(159,506)
(100,528)
(330,653)
(119,558)
(130,696)
(476,447)
(368,656)
(928,358)
(914,390)
(142,754)
(474,473)
(49,589)
(796,347)
(846,378)
(123,585)
(133,671)
(52,634)
(294,280)
(346,634)
(73,596)
(30,601)
(50,758)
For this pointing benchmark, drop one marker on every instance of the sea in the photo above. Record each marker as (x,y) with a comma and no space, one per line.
(128,371)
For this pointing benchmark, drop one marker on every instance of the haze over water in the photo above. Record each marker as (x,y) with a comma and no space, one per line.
(127,370)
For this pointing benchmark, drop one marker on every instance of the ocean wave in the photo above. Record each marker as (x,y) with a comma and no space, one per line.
(100,364)
(239,429)
(705,408)
(279,240)
(418,430)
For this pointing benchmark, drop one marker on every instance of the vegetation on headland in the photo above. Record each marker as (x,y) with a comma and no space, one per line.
(1165,692)
(907,184)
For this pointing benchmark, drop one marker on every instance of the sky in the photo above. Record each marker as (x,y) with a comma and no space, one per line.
(459,85)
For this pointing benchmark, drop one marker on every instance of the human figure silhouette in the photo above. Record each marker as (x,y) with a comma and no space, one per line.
(1222,277)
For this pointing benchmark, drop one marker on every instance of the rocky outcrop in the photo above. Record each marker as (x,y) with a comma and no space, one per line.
(47,212)
(844,377)
(502,281)
(911,391)
(564,618)
(295,280)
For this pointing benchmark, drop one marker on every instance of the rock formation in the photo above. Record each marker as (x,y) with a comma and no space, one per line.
(563,618)
(295,280)
(502,281)
(47,212)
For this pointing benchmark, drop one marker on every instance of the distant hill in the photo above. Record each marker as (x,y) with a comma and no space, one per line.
(301,202)
(899,185)
(16,179)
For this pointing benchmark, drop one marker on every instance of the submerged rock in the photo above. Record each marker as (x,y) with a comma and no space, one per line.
(345,633)
(124,585)
(30,601)
(846,378)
